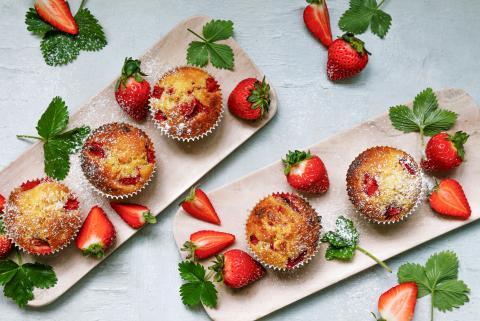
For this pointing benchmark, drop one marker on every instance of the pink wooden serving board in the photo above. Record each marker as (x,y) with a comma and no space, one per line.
(173,158)
(234,202)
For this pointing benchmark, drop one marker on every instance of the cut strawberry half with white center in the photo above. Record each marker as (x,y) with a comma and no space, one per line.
(134,215)
(97,233)
(398,303)
(204,244)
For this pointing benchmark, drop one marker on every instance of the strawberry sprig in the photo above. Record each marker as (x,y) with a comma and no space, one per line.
(363,14)
(58,143)
(343,242)
(61,48)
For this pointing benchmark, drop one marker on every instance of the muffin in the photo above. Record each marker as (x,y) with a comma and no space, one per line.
(186,103)
(384,184)
(283,231)
(118,159)
(42,216)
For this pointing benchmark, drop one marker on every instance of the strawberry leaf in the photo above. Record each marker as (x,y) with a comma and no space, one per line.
(35,24)
(411,272)
(197,54)
(57,158)
(221,56)
(216,30)
(450,294)
(365,13)
(54,120)
(343,241)
(59,48)
(197,288)
(90,33)
(42,276)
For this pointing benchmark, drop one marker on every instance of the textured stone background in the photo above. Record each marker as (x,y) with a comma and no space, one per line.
(431,43)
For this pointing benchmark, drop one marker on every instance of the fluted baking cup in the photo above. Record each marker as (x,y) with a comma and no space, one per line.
(11,209)
(418,201)
(305,260)
(121,196)
(164,127)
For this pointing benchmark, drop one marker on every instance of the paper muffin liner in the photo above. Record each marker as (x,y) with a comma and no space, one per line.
(299,265)
(123,196)
(165,131)
(9,207)
(418,201)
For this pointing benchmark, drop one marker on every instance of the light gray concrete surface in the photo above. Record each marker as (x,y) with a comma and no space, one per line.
(431,43)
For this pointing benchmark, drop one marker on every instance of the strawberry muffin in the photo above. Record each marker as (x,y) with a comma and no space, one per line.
(118,159)
(42,216)
(384,184)
(283,231)
(186,103)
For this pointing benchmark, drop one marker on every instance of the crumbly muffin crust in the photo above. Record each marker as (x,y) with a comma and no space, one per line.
(118,159)
(384,183)
(283,231)
(42,216)
(186,103)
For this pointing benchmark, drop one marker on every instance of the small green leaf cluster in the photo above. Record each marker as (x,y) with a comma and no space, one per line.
(363,14)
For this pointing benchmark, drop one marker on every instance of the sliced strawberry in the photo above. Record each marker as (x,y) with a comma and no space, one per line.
(292,262)
(204,244)
(157,91)
(212,85)
(96,149)
(41,246)
(71,204)
(392,212)
(253,239)
(448,198)
(237,269)
(398,303)
(30,184)
(97,233)
(2,203)
(150,156)
(133,180)
(408,165)
(317,20)
(370,184)
(134,215)
(58,14)
(199,206)
(305,172)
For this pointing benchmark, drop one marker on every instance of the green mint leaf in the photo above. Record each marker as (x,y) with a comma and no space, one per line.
(54,120)
(19,288)
(8,269)
(216,30)
(357,18)
(35,24)
(450,294)
(57,158)
(411,272)
(221,56)
(90,33)
(41,276)
(59,48)
(74,138)
(380,23)
(197,54)
(440,267)
(425,117)
(343,241)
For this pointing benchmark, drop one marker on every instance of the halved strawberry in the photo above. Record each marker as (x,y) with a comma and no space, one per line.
(58,14)
(448,198)
(317,20)
(199,206)
(237,269)
(306,172)
(97,233)
(398,303)
(134,215)
(204,244)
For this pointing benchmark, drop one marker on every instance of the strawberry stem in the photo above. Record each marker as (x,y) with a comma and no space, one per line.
(28,137)
(431,305)
(19,258)
(383,264)
(85,1)
(196,34)
(380,4)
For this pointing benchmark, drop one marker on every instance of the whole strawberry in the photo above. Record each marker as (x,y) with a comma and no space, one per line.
(347,56)
(237,269)
(444,151)
(132,92)
(306,172)
(250,99)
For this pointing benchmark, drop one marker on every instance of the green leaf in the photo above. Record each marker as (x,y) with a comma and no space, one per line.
(343,241)
(216,30)
(362,14)
(411,272)
(74,138)
(342,253)
(191,271)
(8,269)
(54,120)
(209,295)
(59,48)
(221,56)
(197,54)
(197,289)
(42,276)
(19,288)
(191,293)
(57,158)
(450,294)
(426,117)
(440,267)
(35,24)
(90,33)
